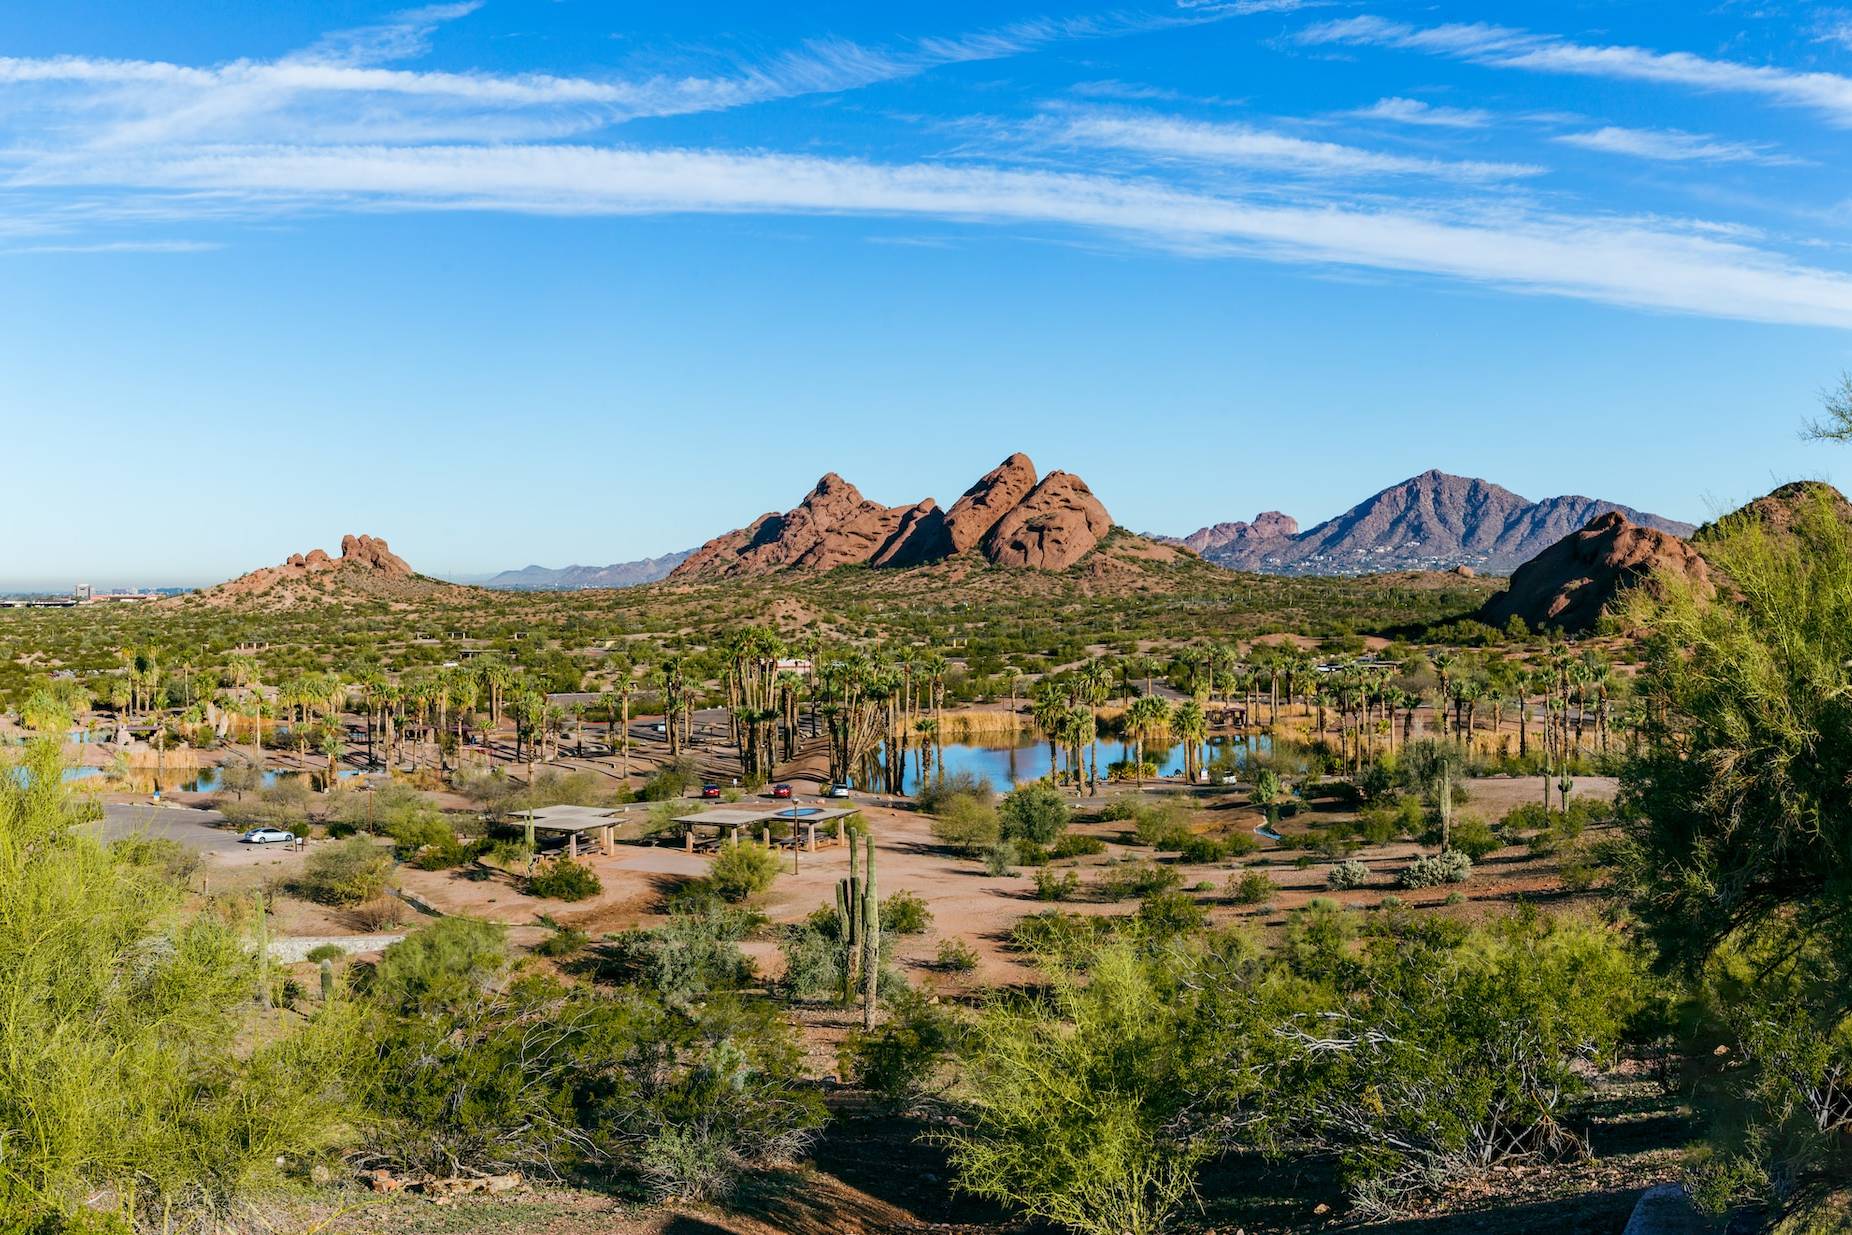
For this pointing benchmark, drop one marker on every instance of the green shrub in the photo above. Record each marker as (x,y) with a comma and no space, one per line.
(904,913)
(1429,871)
(346,873)
(1251,888)
(447,965)
(939,793)
(689,957)
(1051,885)
(1117,809)
(967,825)
(563,879)
(999,859)
(1035,813)
(1166,915)
(1077,845)
(1472,836)
(1347,875)
(813,958)
(1201,850)
(905,1059)
(325,952)
(1137,880)
(956,956)
(742,870)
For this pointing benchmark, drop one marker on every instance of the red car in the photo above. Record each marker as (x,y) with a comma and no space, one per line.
(710,791)
(781,791)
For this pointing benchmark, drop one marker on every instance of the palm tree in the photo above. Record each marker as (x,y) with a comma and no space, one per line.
(1144,720)
(1190,724)
(1048,710)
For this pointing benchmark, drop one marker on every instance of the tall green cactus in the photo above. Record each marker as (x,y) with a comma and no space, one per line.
(327,968)
(858,926)
(871,939)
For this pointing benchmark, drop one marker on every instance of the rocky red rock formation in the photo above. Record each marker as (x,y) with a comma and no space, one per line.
(1775,512)
(985,503)
(1054,526)
(1570,584)
(366,567)
(1007,517)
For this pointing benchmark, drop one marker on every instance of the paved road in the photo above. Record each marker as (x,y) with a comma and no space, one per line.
(196,829)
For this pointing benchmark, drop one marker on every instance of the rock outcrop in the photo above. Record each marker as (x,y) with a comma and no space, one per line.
(367,569)
(985,503)
(573,578)
(1008,518)
(1572,583)
(1433,521)
(1055,525)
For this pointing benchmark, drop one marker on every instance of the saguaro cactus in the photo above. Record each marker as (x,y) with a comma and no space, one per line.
(327,968)
(871,939)
(858,926)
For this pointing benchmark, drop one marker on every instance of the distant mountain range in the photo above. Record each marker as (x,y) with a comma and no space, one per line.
(572,578)
(1433,521)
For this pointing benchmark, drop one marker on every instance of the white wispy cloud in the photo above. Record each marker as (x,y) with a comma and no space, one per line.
(1674,146)
(1414,111)
(120,246)
(1615,261)
(343,88)
(1230,144)
(1828,94)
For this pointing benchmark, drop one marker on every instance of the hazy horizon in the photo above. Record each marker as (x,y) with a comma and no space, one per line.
(513,281)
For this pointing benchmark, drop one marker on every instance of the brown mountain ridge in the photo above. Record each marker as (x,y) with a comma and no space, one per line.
(367,570)
(1008,518)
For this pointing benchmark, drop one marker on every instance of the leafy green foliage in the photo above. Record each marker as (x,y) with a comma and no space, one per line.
(563,879)
(1035,813)
(1432,870)
(742,870)
(347,872)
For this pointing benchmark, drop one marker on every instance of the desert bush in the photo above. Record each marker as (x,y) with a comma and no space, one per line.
(956,956)
(692,955)
(1051,885)
(346,872)
(906,1058)
(1035,813)
(999,859)
(1166,915)
(450,963)
(1473,837)
(1162,825)
(128,1052)
(904,913)
(1137,880)
(1201,850)
(1077,845)
(563,879)
(939,793)
(813,958)
(967,825)
(1118,809)
(168,860)
(1432,870)
(1347,875)
(1251,887)
(742,870)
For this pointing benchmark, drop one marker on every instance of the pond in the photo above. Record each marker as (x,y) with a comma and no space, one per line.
(208,780)
(1003,763)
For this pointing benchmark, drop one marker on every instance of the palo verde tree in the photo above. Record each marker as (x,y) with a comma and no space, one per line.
(1741,850)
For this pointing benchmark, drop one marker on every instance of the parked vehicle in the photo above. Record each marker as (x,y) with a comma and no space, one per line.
(836,791)
(710,791)
(781,791)
(267,836)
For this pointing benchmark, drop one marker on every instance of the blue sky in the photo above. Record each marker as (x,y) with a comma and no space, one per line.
(555,280)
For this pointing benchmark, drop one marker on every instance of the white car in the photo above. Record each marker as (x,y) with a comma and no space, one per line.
(267,836)
(836,791)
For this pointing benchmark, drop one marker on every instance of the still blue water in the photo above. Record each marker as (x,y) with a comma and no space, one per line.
(1028,760)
